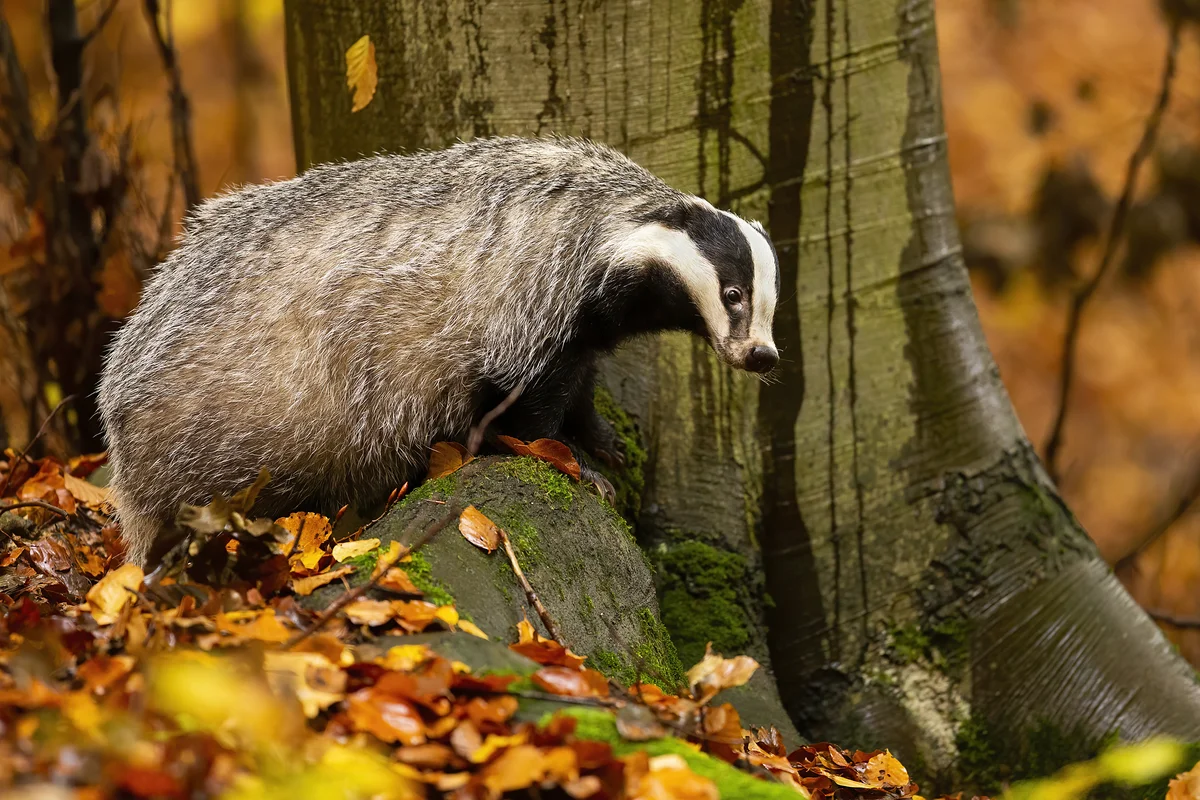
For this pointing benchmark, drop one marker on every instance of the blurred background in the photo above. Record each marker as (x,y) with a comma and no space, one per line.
(1045,100)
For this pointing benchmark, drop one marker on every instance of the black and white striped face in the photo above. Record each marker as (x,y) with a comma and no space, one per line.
(729,269)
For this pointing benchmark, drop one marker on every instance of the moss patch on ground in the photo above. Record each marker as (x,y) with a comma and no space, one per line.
(556,486)
(654,660)
(699,598)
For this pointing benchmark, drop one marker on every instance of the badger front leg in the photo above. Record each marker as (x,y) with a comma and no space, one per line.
(559,405)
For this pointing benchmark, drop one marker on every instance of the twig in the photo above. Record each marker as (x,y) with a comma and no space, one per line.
(103,19)
(530,594)
(35,504)
(181,131)
(1184,502)
(357,592)
(475,439)
(33,441)
(1115,230)
(1171,619)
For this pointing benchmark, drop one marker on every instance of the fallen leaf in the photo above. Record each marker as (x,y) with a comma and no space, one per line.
(389,718)
(445,458)
(544,651)
(557,455)
(477,529)
(571,682)
(113,592)
(362,73)
(86,493)
(467,626)
(316,681)
(715,673)
(1185,786)
(308,585)
(344,551)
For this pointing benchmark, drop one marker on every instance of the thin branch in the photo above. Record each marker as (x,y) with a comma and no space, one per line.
(1171,619)
(103,19)
(181,127)
(1183,503)
(475,439)
(530,594)
(20,114)
(1115,230)
(35,504)
(25,452)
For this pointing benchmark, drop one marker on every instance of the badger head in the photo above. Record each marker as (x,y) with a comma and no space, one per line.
(713,273)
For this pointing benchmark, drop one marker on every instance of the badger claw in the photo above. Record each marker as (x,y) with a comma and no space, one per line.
(601,484)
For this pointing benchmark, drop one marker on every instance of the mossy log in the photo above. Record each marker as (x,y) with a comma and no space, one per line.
(578,554)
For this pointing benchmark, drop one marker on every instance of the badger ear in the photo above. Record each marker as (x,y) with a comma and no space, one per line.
(675,214)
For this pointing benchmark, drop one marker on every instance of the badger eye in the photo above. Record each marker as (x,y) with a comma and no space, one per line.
(733,295)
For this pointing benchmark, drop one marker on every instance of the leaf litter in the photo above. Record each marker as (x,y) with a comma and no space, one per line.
(216,682)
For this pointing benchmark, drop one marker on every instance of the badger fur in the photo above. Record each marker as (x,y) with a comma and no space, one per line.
(331,327)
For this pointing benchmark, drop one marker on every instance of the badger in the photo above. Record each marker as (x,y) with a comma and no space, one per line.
(332,327)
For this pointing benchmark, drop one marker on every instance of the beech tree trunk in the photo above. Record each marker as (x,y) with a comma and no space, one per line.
(925,587)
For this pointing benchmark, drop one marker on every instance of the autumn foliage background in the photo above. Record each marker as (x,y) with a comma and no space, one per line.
(1044,101)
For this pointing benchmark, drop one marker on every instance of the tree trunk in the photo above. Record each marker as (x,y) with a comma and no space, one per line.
(927,589)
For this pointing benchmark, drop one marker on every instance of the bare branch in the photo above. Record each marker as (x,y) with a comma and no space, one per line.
(1115,230)
(1171,619)
(181,125)
(475,439)
(103,19)
(25,452)
(530,594)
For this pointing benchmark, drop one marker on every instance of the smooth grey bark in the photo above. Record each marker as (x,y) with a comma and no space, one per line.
(927,589)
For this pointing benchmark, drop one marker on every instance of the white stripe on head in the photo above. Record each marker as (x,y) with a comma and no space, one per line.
(764,294)
(677,250)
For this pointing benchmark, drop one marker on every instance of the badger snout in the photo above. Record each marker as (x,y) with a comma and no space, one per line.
(761,358)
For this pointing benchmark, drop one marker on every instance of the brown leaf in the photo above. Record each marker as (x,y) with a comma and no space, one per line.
(391,719)
(665,777)
(397,580)
(445,458)
(571,682)
(362,73)
(544,651)
(316,681)
(556,454)
(477,529)
(1185,786)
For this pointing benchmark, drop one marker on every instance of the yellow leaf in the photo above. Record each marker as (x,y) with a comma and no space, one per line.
(306,586)
(448,615)
(316,681)
(113,592)
(406,657)
(348,550)
(466,626)
(477,529)
(362,74)
(446,457)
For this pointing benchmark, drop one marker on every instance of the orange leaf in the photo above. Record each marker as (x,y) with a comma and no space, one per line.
(571,682)
(477,529)
(557,455)
(392,719)
(715,673)
(543,651)
(446,457)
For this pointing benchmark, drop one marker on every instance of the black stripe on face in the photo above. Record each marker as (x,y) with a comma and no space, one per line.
(719,239)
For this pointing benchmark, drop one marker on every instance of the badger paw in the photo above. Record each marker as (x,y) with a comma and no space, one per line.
(602,442)
(600,483)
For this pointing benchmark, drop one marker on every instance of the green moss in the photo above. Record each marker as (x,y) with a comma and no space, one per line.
(364,564)
(442,487)
(421,573)
(556,486)
(654,659)
(944,644)
(630,480)
(732,783)
(699,595)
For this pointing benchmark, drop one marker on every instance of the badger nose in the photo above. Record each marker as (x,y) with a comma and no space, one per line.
(761,358)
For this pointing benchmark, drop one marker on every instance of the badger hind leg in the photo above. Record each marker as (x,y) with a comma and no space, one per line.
(145,536)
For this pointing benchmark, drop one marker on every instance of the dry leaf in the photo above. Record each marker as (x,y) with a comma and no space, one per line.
(466,626)
(1185,786)
(306,586)
(348,550)
(477,529)
(362,73)
(445,458)
(113,592)
(316,681)
(715,673)
(91,496)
